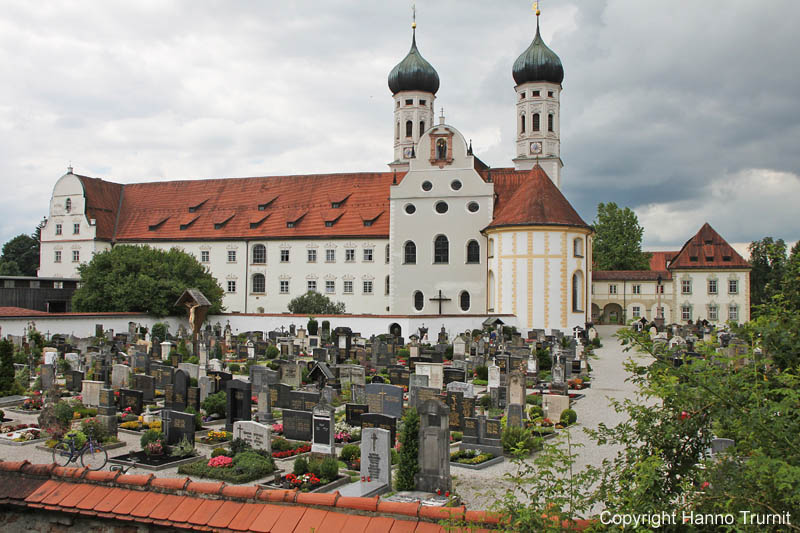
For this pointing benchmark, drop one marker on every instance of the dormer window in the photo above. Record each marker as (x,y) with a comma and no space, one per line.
(290,224)
(336,205)
(367,223)
(693,259)
(709,241)
(221,219)
(709,259)
(68,205)
(726,258)
(329,223)
(193,208)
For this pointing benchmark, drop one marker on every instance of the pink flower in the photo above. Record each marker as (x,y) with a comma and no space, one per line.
(220,461)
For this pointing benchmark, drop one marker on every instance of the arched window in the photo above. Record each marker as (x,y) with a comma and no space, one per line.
(577,246)
(441,149)
(491,247)
(259,254)
(577,291)
(387,254)
(441,250)
(68,205)
(550,122)
(397,131)
(421,127)
(464,301)
(473,252)
(259,283)
(522,123)
(535,122)
(409,128)
(491,292)
(410,253)
(419,300)
(386,290)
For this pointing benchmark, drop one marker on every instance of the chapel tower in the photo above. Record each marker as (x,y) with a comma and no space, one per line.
(538,74)
(413,83)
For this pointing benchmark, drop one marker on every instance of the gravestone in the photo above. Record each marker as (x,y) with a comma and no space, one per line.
(146,384)
(264,409)
(358,393)
(291,374)
(553,405)
(434,371)
(191,369)
(120,376)
(377,420)
(140,363)
(48,376)
(176,426)
(417,380)
(385,399)
(515,415)
(297,425)
(516,388)
(419,395)
(177,393)
(220,379)
(377,379)
(483,435)
(494,376)
(107,411)
(239,401)
(133,399)
(74,379)
(90,392)
(353,412)
(162,374)
(255,434)
(376,461)
(434,448)
(453,374)
(261,376)
(323,424)
(351,374)
(303,400)
(206,386)
(193,398)
(399,376)
(467,389)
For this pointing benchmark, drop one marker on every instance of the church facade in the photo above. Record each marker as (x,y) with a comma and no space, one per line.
(439,233)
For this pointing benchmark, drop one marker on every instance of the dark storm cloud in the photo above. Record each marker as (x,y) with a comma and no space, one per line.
(685,111)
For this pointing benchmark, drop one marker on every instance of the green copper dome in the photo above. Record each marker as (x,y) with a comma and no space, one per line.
(413,73)
(538,63)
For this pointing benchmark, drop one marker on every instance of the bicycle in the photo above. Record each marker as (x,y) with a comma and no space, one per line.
(92,454)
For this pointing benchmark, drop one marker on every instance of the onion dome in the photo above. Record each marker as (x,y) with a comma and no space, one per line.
(538,63)
(413,73)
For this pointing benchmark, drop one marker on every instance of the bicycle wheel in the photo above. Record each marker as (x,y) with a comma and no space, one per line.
(94,457)
(62,454)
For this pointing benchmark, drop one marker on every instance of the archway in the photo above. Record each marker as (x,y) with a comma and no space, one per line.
(395,329)
(596,313)
(612,314)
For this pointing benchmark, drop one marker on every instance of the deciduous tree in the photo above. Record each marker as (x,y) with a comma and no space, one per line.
(314,303)
(617,243)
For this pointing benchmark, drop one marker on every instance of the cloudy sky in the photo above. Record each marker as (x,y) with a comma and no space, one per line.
(685,111)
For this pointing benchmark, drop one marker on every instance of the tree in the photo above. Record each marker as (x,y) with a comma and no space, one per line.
(617,243)
(791,280)
(315,303)
(408,466)
(313,326)
(20,256)
(768,258)
(142,279)
(6,368)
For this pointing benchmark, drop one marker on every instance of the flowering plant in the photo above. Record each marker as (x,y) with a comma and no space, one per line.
(220,461)
(308,479)
(154,448)
(290,453)
(277,428)
(218,435)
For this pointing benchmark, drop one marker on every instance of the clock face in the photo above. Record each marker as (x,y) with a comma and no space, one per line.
(536,147)
(408,152)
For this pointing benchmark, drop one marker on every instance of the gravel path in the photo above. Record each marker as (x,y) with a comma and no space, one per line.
(481,488)
(476,487)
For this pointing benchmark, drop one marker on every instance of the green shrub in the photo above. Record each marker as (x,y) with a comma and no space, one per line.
(183,449)
(234,367)
(151,435)
(350,452)
(239,446)
(253,463)
(272,352)
(300,466)
(403,353)
(315,467)
(395,457)
(482,372)
(568,417)
(457,435)
(247,467)
(329,469)
(219,451)
(91,427)
(533,399)
(313,326)
(215,403)
(280,444)
(545,362)
(407,462)
(198,418)
(535,412)
(485,401)
(517,438)
(193,381)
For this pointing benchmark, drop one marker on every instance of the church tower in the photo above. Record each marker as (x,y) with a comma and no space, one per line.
(538,74)
(413,83)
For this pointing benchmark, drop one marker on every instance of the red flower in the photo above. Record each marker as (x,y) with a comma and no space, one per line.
(447,493)
(704,485)
(439,492)
(684,415)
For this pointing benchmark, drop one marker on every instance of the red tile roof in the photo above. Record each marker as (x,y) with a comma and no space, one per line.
(530,198)
(20,311)
(629,275)
(707,249)
(659,260)
(263,207)
(174,503)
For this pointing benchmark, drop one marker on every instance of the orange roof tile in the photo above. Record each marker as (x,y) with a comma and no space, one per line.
(335,523)
(264,520)
(379,524)
(659,260)
(237,517)
(112,498)
(530,199)
(312,520)
(102,204)
(707,249)
(403,526)
(289,519)
(185,509)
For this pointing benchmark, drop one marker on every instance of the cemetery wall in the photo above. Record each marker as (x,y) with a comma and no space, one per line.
(83,324)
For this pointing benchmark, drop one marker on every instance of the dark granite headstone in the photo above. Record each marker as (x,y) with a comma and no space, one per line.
(193,398)
(353,412)
(303,400)
(419,395)
(146,384)
(177,425)
(434,448)
(162,374)
(385,399)
(75,380)
(377,420)
(239,395)
(454,374)
(180,390)
(297,425)
(399,375)
(133,399)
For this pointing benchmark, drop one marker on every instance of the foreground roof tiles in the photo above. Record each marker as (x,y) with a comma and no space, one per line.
(180,504)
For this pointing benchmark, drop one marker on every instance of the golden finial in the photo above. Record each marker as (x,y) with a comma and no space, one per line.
(414,16)
(536,8)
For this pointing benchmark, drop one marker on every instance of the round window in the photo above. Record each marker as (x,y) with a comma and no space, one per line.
(441,207)
(473,207)
(455,185)
(427,185)
(410,209)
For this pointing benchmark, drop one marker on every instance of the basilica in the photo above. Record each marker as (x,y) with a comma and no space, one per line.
(439,233)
